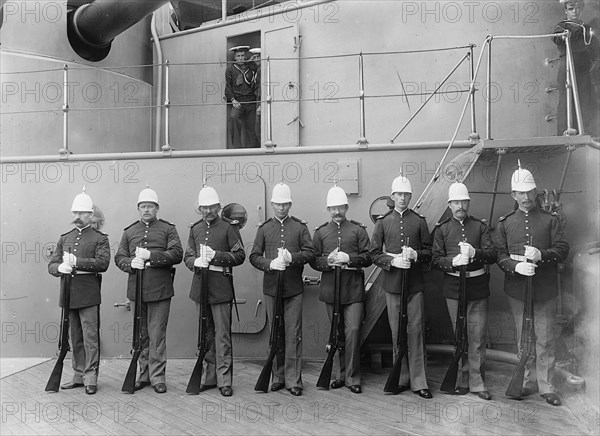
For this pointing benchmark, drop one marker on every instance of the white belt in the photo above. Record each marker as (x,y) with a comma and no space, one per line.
(476,273)
(518,257)
(215,268)
(83,272)
(350,268)
(394,254)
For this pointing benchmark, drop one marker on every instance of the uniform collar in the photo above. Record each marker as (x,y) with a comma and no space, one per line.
(282,221)
(340,224)
(401,213)
(150,223)
(82,229)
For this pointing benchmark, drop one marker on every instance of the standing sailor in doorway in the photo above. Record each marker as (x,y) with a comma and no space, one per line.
(257,90)
(239,91)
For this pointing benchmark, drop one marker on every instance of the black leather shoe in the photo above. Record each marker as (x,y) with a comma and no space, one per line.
(140,385)
(484,395)
(206,387)
(460,391)
(71,385)
(160,388)
(91,389)
(355,389)
(277,387)
(424,393)
(226,391)
(552,399)
(397,391)
(296,391)
(336,384)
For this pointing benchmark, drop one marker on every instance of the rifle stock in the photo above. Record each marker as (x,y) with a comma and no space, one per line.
(449,382)
(63,344)
(277,337)
(391,384)
(334,333)
(129,382)
(195,382)
(528,340)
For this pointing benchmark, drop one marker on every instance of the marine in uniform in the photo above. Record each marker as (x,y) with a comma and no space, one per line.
(519,260)
(391,252)
(463,240)
(239,91)
(215,243)
(257,91)
(343,243)
(586,62)
(283,243)
(89,256)
(151,244)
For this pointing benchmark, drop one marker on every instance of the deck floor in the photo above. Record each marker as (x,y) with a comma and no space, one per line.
(27,409)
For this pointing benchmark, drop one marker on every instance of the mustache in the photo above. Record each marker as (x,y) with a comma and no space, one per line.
(77,221)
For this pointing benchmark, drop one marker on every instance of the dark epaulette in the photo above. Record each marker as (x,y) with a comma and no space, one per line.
(230,221)
(479,220)
(364,226)
(264,223)
(166,222)
(322,225)
(98,231)
(298,220)
(422,216)
(65,234)
(197,222)
(547,212)
(131,225)
(385,214)
(502,218)
(439,223)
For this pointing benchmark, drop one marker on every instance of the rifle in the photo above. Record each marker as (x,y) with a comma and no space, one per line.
(63,341)
(194,384)
(462,344)
(129,383)
(391,385)
(335,333)
(277,339)
(528,341)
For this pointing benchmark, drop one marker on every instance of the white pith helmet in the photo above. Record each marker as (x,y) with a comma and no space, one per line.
(522,180)
(148,195)
(208,196)
(457,192)
(336,197)
(281,194)
(401,184)
(82,203)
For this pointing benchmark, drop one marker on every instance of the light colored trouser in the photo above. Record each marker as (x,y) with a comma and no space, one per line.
(349,356)
(218,361)
(84,325)
(290,371)
(541,370)
(472,366)
(153,358)
(413,365)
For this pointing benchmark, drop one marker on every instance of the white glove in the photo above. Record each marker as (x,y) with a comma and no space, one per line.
(277,264)
(526,268)
(69,258)
(65,268)
(459,260)
(409,253)
(138,263)
(142,253)
(533,253)
(210,253)
(285,255)
(332,258)
(467,249)
(342,257)
(199,263)
(401,262)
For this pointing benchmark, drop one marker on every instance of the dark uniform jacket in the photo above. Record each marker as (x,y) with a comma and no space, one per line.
(354,241)
(224,237)
(161,238)
(512,235)
(239,83)
(293,234)
(391,231)
(93,256)
(446,237)
(585,45)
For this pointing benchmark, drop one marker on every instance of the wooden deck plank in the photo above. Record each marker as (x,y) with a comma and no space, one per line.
(316,412)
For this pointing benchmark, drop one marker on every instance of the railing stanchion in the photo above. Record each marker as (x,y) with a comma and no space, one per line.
(362,140)
(488,117)
(166,148)
(64,151)
(269,144)
(474,136)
